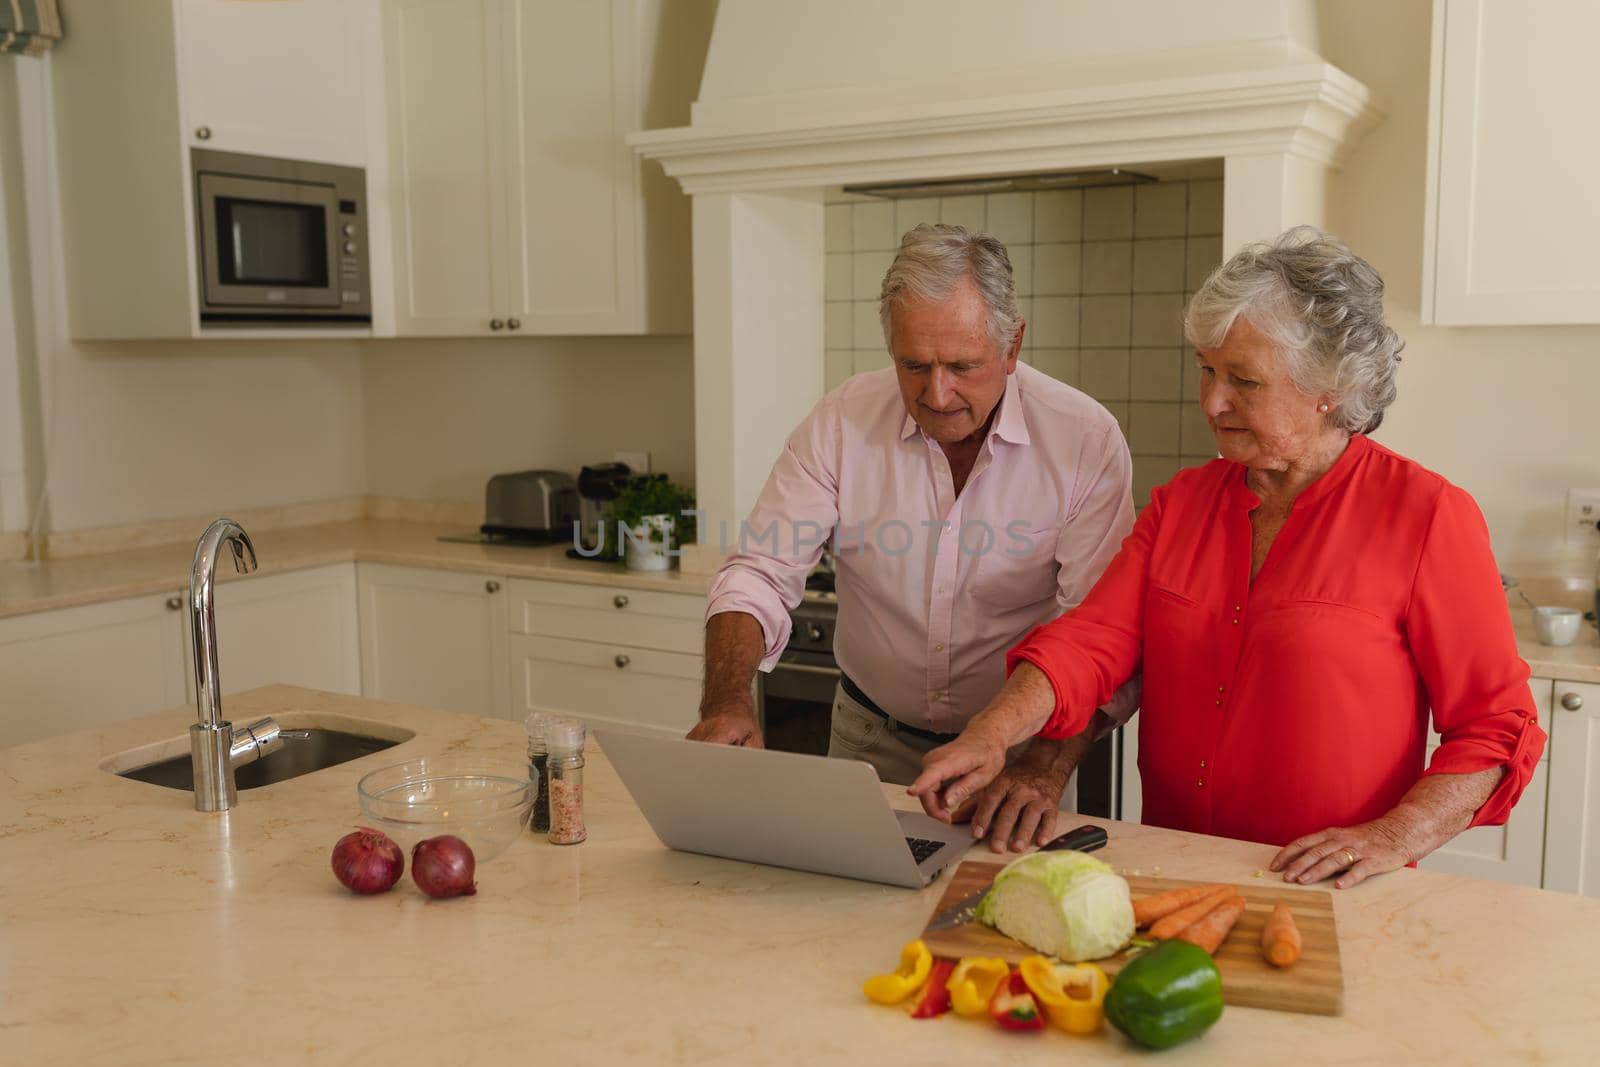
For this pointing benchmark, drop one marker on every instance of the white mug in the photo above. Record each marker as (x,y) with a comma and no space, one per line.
(1557,626)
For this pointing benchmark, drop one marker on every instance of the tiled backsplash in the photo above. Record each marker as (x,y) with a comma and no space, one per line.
(1102,275)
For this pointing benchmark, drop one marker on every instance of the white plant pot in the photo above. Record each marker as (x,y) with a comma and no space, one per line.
(641,553)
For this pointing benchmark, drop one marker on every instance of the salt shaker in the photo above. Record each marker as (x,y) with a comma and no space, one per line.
(564,763)
(538,772)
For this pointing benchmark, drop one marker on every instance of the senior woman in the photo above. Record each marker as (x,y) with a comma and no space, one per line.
(1297,607)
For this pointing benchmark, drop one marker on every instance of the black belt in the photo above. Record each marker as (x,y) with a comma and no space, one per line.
(854,692)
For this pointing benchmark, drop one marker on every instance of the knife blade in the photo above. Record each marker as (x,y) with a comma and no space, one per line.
(1083,839)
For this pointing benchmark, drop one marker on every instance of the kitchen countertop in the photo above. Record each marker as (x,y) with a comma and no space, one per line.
(30,587)
(137,930)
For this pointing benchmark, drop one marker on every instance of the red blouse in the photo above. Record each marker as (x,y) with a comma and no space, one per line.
(1300,701)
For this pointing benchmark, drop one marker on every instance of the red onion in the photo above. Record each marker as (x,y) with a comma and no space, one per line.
(443,866)
(366,861)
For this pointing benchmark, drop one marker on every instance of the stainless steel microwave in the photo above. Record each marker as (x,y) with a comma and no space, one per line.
(281,242)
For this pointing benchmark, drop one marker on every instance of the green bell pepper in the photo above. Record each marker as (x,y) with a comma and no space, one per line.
(1166,995)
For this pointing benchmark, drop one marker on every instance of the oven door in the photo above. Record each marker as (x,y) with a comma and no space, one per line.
(796,703)
(267,243)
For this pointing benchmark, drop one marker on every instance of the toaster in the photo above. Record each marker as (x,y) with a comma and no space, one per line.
(530,505)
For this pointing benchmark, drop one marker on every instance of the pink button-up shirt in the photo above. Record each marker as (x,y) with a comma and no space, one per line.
(933,587)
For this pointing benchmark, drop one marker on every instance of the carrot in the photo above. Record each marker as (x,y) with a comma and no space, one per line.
(1147,910)
(1176,923)
(1280,938)
(1211,930)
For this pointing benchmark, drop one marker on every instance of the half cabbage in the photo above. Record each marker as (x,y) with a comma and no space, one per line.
(1064,904)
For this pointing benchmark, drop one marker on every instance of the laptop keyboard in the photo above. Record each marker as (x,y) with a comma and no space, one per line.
(922,848)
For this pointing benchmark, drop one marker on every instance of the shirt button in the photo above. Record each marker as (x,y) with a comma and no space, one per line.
(1202,764)
(1236,622)
(1219,703)
(938,648)
(1237,608)
(1220,688)
(1200,783)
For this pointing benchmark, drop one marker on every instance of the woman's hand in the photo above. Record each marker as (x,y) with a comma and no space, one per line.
(1362,851)
(1433,811)
(969,763)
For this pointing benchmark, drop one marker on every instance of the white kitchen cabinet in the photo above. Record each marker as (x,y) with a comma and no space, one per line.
(1514,852)
(434,638)
(1511,218)
(297,628)
(518,206)
(287,79)
(611,656)
(135,86)
(79,667)
(1572,834)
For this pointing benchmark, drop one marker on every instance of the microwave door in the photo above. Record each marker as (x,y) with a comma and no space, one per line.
(268,244)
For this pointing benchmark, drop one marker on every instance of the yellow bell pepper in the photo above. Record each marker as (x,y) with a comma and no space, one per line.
(915,963)
(1071,994)
(973,983)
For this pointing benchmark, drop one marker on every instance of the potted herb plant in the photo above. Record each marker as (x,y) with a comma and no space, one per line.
(650,522)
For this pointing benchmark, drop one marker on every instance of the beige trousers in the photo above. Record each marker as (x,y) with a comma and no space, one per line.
(863,735)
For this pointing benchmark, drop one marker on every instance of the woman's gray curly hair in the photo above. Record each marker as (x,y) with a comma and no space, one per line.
(934,257)
(1322,306)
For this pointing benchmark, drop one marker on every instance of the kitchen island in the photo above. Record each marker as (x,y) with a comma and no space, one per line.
(134,929)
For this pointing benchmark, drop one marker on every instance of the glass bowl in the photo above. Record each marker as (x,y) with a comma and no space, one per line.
(484,803)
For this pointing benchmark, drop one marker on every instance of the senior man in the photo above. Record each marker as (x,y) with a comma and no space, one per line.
(968,499)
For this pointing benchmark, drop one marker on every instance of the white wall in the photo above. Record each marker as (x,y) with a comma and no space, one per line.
(441,416)
(1508,413)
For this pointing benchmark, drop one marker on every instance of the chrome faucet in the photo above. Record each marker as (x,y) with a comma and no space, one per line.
(215,747)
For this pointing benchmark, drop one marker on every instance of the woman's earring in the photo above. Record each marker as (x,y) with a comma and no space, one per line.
(1322,408)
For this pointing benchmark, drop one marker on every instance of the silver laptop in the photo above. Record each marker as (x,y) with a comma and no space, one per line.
(783,809)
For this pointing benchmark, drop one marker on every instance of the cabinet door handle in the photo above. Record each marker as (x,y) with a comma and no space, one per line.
(491,586)
(514,324)
(1572,701)
(619,601)
(202,133)
(496,324)
(174,603)
(621,661)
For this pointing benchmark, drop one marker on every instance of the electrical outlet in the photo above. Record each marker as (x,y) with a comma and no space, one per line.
(1583,511)
(639,462)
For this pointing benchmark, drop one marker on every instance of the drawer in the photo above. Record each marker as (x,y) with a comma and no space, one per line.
(670,622)
(605,684)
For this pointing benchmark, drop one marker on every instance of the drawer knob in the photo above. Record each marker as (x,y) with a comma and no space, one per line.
(1572,701)
(621,661)
(496,324)
(514,324)
(491,586)
(619,601)
(174,603)
(203,133)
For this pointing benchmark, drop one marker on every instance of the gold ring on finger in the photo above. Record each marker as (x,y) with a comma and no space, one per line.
(1349,857)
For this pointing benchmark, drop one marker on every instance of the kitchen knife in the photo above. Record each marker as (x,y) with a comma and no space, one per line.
(1083,839)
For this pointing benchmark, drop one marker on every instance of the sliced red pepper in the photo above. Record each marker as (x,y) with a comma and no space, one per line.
(1013,1006)
(936,994)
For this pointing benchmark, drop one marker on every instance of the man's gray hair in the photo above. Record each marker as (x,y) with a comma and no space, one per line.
(934,257)
(1321,305)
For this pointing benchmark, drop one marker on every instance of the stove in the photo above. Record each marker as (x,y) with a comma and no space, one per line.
(795,700)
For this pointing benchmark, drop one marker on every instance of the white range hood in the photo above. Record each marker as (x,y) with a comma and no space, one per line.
(800,97)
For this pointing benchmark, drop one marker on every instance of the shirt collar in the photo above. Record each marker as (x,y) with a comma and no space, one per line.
(1336,476)
(1009,422)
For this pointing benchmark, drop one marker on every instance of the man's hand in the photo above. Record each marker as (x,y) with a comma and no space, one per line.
(969,763)
(1019,808)
(728,725)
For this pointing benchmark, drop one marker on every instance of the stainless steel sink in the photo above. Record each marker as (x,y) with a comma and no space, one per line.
(304,751)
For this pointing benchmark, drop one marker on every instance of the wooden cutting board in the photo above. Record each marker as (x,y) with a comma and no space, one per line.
(1314,985)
